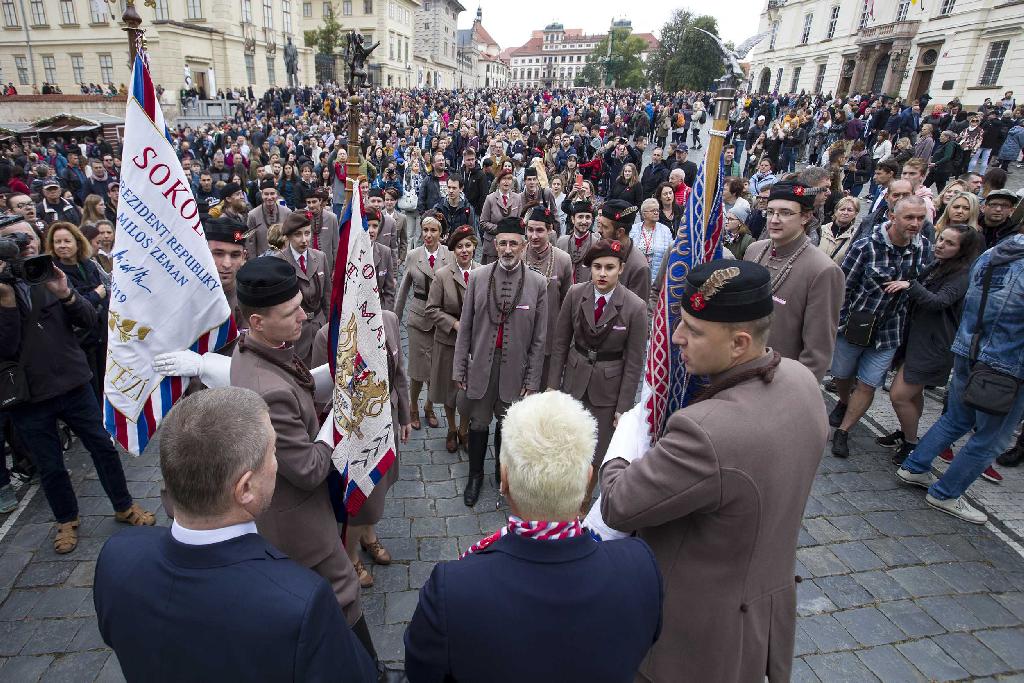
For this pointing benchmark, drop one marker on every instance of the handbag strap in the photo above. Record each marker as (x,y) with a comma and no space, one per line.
(976,337)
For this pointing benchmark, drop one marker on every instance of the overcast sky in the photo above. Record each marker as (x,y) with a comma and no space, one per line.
(511,22)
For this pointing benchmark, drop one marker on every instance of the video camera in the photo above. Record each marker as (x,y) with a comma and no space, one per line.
(33,271)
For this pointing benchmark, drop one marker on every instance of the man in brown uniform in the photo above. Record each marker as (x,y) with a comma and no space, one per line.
(391,197)
(300,520)
(614,223)
(388,233)
(499,204)
(503,328)
(579,241)
(721,495)
(226,239)
(552,263)
(262,217)
(324,227)
(807,286)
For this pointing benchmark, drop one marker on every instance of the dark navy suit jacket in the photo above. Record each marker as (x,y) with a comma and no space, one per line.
(238,610)
(529,610)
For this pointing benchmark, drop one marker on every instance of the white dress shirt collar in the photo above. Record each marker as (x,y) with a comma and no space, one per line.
(296,255)
(607,297)
(210,536)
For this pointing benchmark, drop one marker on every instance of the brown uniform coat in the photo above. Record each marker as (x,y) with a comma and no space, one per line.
(256,244)
(567,243)
(401,227)
(807,303)
(559,283)
(316,297)
(388,235)
(328,239)
(720,500)
(523,341)
(636,273)
(300,520)
(491,215)
(444,307)
(417,281)
(385,267)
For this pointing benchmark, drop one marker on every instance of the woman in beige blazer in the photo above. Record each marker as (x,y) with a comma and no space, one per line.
(444,307)
(311,268)
(421,266)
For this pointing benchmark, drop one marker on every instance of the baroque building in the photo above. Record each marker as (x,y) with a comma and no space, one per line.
(480,60)
(436,44)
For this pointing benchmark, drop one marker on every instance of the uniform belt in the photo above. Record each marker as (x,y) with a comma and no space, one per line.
(592,355)
(421,297)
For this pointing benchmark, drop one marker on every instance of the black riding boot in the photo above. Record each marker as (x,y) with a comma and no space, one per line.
(497,456)
(477,451)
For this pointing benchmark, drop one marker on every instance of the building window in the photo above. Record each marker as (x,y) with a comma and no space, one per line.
(106,69)
(307,9)
(21,65)
(796,79)
(947,6)
(268,14)
(774,36)
(78,68)
(346,8)
(97,13)
(778,79)
(865,14)
(994,62)
(819,80)
(250,69)
(286,13)
(67,12)
(902,9)
(38,15)
(160,11)
(193,9)
(247,12)
(367,6)
(271,71)
(10,13)
(49,69)
(808,20)
(832,21)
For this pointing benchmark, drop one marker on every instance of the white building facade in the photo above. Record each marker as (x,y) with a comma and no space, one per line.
(436,45)
(965,49)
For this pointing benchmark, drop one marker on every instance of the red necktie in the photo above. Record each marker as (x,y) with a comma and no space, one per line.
(302,262)
(316,240)
(465,276)
(501,333)
(580,241)
(598,309)
(431,261)
(504,200)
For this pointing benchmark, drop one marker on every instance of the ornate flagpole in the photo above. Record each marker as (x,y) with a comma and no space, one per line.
(723,98)
(132,21)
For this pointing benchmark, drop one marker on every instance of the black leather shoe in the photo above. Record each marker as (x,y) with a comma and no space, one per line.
(1011,457)
(477,451)
(903,452)
(497,456)
(840,444)
(835,418)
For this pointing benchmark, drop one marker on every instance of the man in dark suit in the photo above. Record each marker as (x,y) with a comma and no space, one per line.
(209,598)
(539,600)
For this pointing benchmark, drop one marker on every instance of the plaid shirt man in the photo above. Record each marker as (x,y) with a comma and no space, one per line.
(869,264)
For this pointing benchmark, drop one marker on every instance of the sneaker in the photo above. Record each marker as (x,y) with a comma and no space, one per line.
(1011,457)
(840,444)
(990,474)
(830,385)
(922,479)
(835,418)
(893,440)
(947,455)
(957,507)
(903,452)
(8,500)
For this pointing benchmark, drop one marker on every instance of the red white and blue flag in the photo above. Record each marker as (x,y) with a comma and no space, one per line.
(667,385)
(364,448)
(165,294)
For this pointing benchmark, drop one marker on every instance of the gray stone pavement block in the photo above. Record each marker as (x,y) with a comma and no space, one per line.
(810,599)
(869,626)
(19,603)
(399,606)
(401,549)
(78,666)
(1008,643)
(410,473)
(393,577)
(14,635)
(821,561)
(928,550)
(32,536)
(373,607)
(389,643)
(802,643)
(419,572)
(822,531)
(839,667)
(804,539)
(959,547)
(406,489)
(452,507)
(887,523)
(892,551)
(12,563)
(24,669)
(964,577)
(844,591)
(971,654)
(872,501)
(990,612)
(420,507)
(83,574)
(889,665)
(1013,602)
(436,472)
(801,673)
(59,602)
(920,581)
(827,634)
(111,671)
(931,660)
(435,549)
(441,489)
(463,525)
(950,615)
(857,556)
(835,504)
(428,526)
(880,585)
(854,526)
(911,619)
(393,527)
(52,636)
(88,638)
(850,481)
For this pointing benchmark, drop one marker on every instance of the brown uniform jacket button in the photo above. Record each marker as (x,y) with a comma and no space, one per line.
(798,578)
(743,607)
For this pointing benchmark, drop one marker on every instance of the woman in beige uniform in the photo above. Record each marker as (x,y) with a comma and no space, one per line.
(421,266)
(444,307)
(311,268)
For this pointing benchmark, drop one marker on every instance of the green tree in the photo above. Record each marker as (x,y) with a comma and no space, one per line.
(327,38)
(625,68)
(686,60)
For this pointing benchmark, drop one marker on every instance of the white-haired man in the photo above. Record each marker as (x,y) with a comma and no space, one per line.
(514,581)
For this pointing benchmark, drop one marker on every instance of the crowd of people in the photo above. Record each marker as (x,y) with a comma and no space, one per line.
(520,240)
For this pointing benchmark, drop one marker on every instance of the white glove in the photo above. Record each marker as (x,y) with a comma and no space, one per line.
(323,383)
(178,364)
(631,438)
(216,370)
(326,434)
(595,522)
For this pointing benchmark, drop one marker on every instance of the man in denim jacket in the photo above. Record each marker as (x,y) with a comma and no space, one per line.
(1001,347)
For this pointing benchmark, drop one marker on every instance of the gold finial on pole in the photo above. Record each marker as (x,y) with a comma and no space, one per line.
(132,21)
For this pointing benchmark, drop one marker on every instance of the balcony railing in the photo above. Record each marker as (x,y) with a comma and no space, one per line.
(886,32)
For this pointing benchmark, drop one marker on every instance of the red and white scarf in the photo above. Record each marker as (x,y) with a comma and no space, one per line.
(539,530)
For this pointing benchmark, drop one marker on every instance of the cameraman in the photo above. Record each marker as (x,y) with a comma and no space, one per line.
(37,329)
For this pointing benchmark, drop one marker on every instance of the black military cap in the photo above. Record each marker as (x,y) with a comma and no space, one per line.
(603,248)
(225,229)
(583,206)
(541,213)
(511,224)
(268,184)
(619,211)
(794,192)
(266,281)
(727,291)
(229,189)
(530,172)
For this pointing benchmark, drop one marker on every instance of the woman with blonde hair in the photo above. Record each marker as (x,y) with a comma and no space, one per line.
(92,209)
(947,195)
(837,236)
(964,209)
